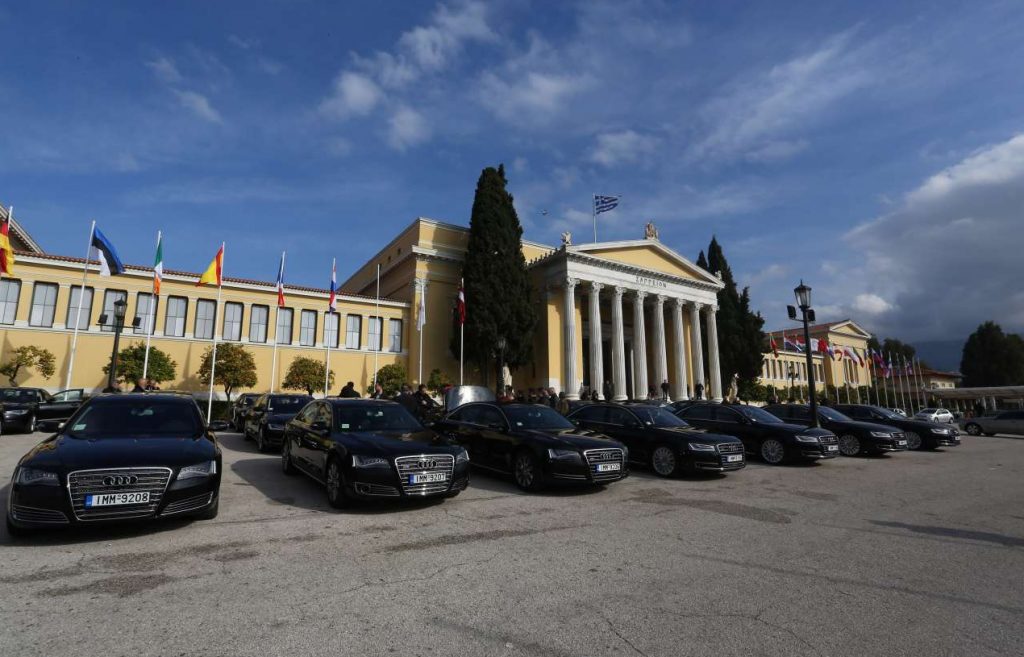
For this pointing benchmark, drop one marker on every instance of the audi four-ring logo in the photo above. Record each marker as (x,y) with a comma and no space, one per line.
(120,480)
(426,464)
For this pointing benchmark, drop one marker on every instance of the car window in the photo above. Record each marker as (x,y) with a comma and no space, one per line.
(288,404)
(778,410)
(374,417)
(466,414)
(136,418)
(698,412)
(620,417)
(306,414)
(753,413)
(488,415)
(321,413)
(18,396)
(727,415)
(654,416)
(830,413)
(802,413)
(856,412)
(592,414)
(536,417)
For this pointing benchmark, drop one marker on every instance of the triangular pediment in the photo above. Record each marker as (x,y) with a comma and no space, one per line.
(847,326)
(648,254)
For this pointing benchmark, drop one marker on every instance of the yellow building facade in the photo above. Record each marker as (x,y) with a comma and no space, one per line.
(789,368)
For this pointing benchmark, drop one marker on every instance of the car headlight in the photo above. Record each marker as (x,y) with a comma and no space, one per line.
(462,457)
(702,447)
(881,434)
(35,477)
(807,439)
(369,461)
(276,427)
(16,411)
(198,470)
(564,455)
(941,432)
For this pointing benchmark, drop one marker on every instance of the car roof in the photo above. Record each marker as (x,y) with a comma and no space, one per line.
(142,398)
(364,401)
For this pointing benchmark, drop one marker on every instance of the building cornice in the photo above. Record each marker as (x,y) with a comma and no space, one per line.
(570,254)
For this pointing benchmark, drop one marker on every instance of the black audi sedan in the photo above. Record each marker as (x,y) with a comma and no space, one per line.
(855,437)
(920,434)
(535,444)
(369,449)
(762,433)
(240,409)
(120,457)
(24,407)
(656,437)
(266,420)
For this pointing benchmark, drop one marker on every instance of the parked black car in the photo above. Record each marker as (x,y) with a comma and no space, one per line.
(920,434)
(240,409)
(120,457)
(24,407)
(656,437)
(372,449)
(855,437)
(266,419)
(762,433)
(534,443)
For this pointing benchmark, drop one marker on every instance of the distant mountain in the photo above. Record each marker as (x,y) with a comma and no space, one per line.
(941,354)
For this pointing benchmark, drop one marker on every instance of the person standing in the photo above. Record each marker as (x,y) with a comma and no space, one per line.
(424,402)
(664,390)
(609,391)
(378,391)
(348,391)
(552,398)
(140,386)
(563,404)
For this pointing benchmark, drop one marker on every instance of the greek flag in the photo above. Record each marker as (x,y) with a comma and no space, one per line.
(605,203)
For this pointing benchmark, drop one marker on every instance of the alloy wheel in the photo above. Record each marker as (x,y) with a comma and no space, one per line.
(286,458)
(772,451)
(849,445)
(913,440)
(31,427)
(261,441)
(663,461)
(525,471)
(334,493)
(973,429)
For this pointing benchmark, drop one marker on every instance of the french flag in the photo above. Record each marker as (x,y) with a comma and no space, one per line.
(280,283)
(332,302)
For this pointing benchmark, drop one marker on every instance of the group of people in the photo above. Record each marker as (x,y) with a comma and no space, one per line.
(419,403)
(141,385)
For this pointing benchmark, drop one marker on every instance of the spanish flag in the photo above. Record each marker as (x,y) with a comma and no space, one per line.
(213,273)
(6,252)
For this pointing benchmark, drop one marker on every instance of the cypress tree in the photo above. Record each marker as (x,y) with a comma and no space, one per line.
(496,283)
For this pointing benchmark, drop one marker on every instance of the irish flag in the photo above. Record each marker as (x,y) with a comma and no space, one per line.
(213,273)
(158,264)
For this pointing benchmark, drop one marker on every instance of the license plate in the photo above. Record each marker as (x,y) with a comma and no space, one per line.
(608,467)
(901,442)
(733,458)
(832,448)
(428,477)
(115,499)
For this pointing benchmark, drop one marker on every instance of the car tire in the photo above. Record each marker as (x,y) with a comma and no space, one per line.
(210,512)
(914,440)
(245,433)
(335,484)
(261,441)
(30,424)
(973,428)
(849,445)
(287,466)
(664,461)
(525,472)
(772,451)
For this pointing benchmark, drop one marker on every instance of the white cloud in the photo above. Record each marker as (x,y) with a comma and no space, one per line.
(532,96)
(165,70)
(777,150)
(431,46)
(199,105)
(241,43)
(406,128)
(870,304)
(520,164)
(772,272)
(339,146)
(354,95)
(622,147)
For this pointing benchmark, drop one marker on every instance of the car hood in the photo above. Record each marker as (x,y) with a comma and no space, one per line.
(63,453)
(787,429)
(570,439)
(918,426)
(857,425)
(693,433)
(396,443)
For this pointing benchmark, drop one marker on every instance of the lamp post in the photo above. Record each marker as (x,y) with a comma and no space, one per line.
(803,301)
(119,309)
(792,380)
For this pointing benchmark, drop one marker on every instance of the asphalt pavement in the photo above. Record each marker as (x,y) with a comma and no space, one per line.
(917,553)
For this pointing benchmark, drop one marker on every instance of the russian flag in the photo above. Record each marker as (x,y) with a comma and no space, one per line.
(104,251)
(280,283)
(332,302)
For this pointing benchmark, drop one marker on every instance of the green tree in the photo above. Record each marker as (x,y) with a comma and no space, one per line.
(307,374)
(236,368)
(29,356)
(740,336)
(131,359)
(992,357)
(391,378)
(437,381)
(496,283)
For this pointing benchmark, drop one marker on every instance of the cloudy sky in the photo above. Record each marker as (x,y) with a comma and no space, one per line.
(873,149)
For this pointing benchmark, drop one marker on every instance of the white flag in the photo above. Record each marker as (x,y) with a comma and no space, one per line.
(422,312)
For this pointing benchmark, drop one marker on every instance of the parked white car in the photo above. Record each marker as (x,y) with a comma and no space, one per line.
(940,415)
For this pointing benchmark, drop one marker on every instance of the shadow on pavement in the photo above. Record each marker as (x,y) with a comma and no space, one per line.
(952,532)
(498,483)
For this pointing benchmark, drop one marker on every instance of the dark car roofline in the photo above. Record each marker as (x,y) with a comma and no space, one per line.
(355,400)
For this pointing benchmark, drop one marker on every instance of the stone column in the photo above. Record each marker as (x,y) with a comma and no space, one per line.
(660,348)
(596,358)
(679,390)
(639,347)
(618,346)
(697,347)
(570,386)
(716,370)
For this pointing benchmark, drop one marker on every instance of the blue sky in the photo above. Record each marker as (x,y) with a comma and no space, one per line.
(869,148)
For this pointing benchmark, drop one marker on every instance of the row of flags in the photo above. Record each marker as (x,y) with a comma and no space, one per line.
(871,358)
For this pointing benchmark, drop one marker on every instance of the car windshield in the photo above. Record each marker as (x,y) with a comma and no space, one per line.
(288,404)
(536,417)
(376,417)
(832,414)
(756,414)
(658,417)
(15,396)
(928,410)
(136,418)
(886,413)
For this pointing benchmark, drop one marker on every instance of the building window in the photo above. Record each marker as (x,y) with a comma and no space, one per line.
(44,304)
(233,321)
(145,311)
(353,331)
(374,332)
(307,328)
(174,323)
(9,291)
(86,301)
(284,326)
(331,321)
(109,298)
(258,323)
(206,316)
(395,335)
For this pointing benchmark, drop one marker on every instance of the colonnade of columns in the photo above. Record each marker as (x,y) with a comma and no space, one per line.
(677,376)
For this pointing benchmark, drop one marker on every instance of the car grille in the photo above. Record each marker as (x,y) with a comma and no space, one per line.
(425,463)
(32,514)
(83,482)
(377,489)
(187,504)
(596,457)
(730,448)
(828,440)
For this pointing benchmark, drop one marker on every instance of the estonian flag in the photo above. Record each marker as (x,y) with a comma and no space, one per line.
(104,251)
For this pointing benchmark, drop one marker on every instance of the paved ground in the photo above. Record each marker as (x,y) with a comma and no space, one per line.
(914,554)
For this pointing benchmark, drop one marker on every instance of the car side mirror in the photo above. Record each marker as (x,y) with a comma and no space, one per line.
(49,426)
(219,425)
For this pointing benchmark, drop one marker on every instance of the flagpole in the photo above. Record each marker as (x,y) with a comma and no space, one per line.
(899,374)
(593,211)
(380,334)
(78,315)
(330,314)
(462,332)
(421,323)
(277,327)
(149,321)
(216,314)
(920,383)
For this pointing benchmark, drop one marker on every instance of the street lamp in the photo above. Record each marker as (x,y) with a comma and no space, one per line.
(792,381)
(119,310)
(803,301)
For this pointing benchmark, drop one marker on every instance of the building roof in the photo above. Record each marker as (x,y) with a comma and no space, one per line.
(22,241)
(825,327)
